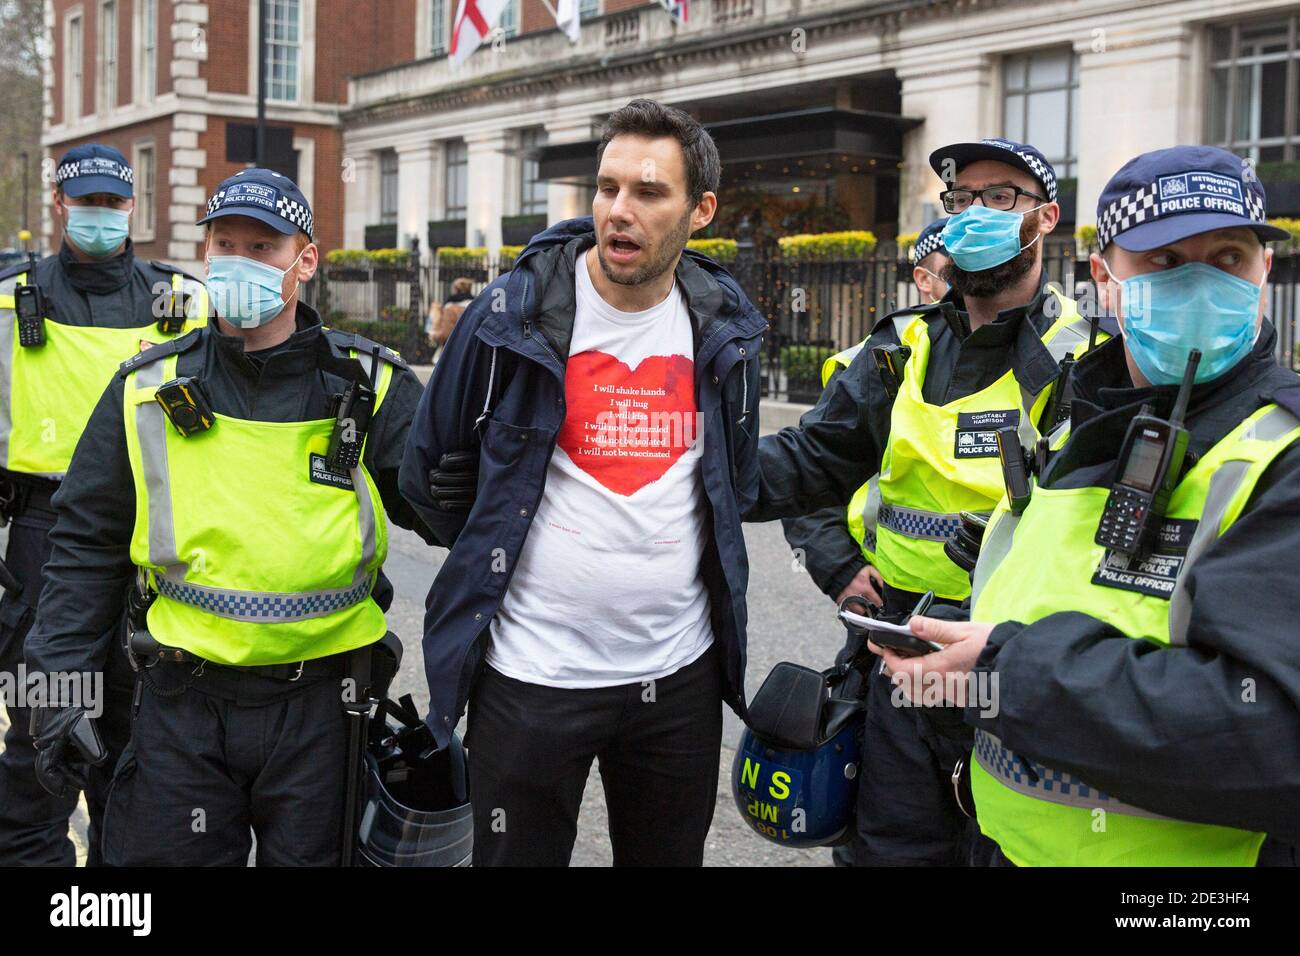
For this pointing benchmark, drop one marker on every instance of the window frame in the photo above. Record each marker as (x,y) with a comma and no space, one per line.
(107,47)
(74,68)
(450,164)
(1068,165)
(386,216)
(272,45)
(1251,145)
(144,218)
(146,56)
(531,137)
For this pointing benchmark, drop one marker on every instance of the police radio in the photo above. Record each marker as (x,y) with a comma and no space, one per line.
(186,405)
(351,422)
(890,361)
(1149,468)
(29,306)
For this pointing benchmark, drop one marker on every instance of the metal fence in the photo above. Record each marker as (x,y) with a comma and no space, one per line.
(813,307)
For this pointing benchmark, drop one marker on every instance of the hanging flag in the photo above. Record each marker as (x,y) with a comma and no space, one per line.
(474,20)
(567,18)
(679,10)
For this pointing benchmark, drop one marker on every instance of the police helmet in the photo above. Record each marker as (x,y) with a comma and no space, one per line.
(417,810)
(795,775)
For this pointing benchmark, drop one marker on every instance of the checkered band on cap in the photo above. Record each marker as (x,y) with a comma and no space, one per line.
(1141,206)
(1126,212)
(926,245)
(295,212)
(96,166)
(1040,169)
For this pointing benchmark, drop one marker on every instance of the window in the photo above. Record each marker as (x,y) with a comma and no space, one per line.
(1252,108)
(509,21)
(388,186)
(588,9)
(146,176)
(283,44)
(72,69)
(456,183)
(532,191)
(148,71)
(437,27)
(1040,105)
(106,81)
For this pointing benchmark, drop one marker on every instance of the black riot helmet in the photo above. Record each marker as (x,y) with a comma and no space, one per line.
(417,810)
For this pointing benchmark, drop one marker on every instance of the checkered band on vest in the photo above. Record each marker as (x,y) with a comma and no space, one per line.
(1001,762)
(103,167)
(247,606)
(911,523)
(927,245)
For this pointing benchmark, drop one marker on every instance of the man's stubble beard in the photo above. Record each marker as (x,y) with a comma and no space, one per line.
(670,247)
(990,282)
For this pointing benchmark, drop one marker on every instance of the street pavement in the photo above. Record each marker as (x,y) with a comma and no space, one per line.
(789,619)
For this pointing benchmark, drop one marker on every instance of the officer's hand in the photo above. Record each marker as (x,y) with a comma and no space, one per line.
(454,483)
(963,641)
(67,746)
(868,583)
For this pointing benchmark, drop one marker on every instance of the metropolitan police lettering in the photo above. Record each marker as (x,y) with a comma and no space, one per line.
(1200,192)
(253,193)
(1157,573)
(977,432)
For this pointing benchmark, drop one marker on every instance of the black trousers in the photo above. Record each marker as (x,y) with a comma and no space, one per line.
(531,748)
(218,757)
(34,823)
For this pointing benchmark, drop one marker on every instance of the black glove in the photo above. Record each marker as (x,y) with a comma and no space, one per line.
(454,483)
(67,746)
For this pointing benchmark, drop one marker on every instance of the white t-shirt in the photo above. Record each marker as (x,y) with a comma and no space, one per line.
(607,589)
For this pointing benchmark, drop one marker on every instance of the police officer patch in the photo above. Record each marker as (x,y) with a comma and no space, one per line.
(322,474)
(1157,573)
(977,432)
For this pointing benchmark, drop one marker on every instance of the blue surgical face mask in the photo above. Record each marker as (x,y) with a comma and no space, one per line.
(245,292)
(97,230)
(979,238)
(1166,314)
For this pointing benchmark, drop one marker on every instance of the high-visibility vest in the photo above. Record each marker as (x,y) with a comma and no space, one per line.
(1044,561)
(258,553)
(865,503)
(942,460)
(48,391)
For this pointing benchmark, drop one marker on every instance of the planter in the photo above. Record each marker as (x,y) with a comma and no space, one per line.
(518,230)
(446,232)
(1283,196)
(381,236)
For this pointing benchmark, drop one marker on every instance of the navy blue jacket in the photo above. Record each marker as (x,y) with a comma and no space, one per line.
(499,387)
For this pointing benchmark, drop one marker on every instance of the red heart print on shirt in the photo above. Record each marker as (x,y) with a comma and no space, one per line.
(626,428)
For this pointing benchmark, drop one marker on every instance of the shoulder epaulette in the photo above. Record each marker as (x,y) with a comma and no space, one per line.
(1289,398)
(363,346)
(182,343)
(14,270)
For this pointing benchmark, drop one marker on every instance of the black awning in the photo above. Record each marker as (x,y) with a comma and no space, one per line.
(802,133)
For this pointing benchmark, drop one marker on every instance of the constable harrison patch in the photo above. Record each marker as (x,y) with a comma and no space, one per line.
(977,432)
(322,475)
(1157,573)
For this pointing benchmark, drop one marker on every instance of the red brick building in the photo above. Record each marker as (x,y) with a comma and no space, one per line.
(163,81)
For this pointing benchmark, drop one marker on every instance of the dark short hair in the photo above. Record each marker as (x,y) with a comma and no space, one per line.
(654,120)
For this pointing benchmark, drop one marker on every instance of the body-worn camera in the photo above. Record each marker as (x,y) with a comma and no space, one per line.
(29,306)
(890,361)
(186,405)
(173,318)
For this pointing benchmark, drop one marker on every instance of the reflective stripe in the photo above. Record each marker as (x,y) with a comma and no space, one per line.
(7,324)
(263,606)
(914,523)
(994,548)
(151,431)
(1043,783)
(1064,341)
(871,512)
(1224,485)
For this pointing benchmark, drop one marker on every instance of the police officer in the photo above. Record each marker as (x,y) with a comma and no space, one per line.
(838,546)
(1149,697)
(242,471)
(79,314)
(991,353)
